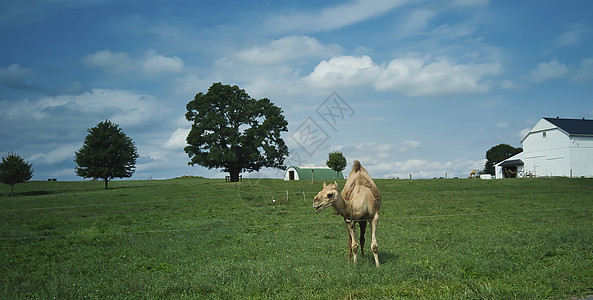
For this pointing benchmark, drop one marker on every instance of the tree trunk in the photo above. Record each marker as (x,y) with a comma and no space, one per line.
(234,175)
(11,189)
(106,180)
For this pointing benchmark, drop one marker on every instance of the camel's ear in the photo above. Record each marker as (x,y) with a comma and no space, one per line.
(324,185)
(336,184)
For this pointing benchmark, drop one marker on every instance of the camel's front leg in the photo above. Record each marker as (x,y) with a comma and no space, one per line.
(349,245)
(374,245)
(353,243)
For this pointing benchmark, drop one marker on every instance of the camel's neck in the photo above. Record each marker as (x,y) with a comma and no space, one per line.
(343,207)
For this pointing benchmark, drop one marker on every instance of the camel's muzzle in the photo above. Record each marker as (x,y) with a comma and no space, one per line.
(317,208)
(321,206)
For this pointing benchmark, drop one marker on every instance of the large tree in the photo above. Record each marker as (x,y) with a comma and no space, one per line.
(497,154)
(232,131)
(107,153)
(14,169)
(336,161)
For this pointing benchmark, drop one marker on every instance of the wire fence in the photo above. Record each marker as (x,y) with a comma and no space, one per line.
(290,224)
(78,206)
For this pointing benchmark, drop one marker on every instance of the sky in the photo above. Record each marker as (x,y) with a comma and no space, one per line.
(414,87)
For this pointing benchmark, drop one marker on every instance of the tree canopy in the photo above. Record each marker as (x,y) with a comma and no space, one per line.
(336,161)
(497,154)
(14,169)
(107,153)
(232,131)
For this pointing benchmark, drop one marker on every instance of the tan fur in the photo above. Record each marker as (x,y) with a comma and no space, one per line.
(359,201)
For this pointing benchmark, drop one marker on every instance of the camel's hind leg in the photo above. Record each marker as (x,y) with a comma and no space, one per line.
(374,245)
(363,228)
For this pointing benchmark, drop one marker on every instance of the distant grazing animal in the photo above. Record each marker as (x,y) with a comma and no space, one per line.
(473,173)
(359,202)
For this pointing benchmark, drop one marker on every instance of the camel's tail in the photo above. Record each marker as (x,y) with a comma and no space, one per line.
(356,166)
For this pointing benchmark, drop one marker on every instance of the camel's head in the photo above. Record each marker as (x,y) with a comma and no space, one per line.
(327,197)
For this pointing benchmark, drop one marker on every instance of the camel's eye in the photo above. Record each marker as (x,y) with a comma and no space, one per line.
(329,195)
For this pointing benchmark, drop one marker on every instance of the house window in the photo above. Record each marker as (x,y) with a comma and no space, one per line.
(544,134)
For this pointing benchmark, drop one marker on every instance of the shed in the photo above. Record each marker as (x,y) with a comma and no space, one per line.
(308,173)
(512,168)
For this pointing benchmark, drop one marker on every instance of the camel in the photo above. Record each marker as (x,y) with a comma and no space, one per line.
(473,173)
(359,202)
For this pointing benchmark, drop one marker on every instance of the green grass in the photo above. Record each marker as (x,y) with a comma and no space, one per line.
(204,238)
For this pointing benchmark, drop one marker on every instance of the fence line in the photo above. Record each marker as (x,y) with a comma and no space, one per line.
(79,206)
(280,224)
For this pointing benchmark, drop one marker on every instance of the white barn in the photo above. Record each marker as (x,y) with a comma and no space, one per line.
(553,147)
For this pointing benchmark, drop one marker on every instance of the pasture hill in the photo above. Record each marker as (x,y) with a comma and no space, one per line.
(204,238)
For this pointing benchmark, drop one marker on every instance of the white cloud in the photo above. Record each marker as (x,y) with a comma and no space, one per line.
(507,85)
(523,133)
(177,139)
(190,84)
(13,76)
(49,130)
(13,71)
(422,168)
(548,70)
(181,122)
(376,153)
(454,31)
(344,71)
(58,114)
(268,70)
(62,153)
(275,69)
(409,145)
(415,77)
(558,70)
(155,63)
(120,62)
(158,163)
(470,3)
(574,35)
(409,76)
(287,48)
(502,125)
(333,17)
(584,71)
(14,12)
(416,21)
(403,146)
(381,161)
(117,62)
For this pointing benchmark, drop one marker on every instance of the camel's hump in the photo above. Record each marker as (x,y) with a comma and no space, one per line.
(360,177)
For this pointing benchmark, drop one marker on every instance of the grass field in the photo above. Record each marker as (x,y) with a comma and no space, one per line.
(204,238)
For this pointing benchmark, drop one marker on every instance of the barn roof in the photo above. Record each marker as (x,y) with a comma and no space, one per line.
(573,126)
(318,172)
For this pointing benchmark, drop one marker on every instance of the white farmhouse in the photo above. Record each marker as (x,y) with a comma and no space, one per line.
(554,147)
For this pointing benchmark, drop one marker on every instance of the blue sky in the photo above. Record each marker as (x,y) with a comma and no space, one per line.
(421,87)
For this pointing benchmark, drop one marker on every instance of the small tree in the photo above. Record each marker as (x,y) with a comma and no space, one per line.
(497,154)
(14,169)
(232,131)
(107,153)
(336,161)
